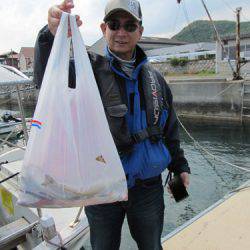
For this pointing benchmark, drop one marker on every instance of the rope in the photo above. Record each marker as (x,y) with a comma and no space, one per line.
(12,144)
(175,20)
(244,17)
(221,92)
(228,5)
(5,101)
(245,1)
(239,189)
(7,137)
(188,22)
(198,146)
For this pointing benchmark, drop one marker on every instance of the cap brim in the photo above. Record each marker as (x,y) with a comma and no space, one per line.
(121,9)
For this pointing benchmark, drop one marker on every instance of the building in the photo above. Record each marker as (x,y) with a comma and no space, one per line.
(191,51)
(222,56)
(9,58)
(146,43)
(150,43)
(26,60)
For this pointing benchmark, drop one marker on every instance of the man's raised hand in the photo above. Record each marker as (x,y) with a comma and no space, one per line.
(55,13)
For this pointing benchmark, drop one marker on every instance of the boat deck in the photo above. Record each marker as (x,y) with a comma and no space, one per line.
(224,226)
(62,216)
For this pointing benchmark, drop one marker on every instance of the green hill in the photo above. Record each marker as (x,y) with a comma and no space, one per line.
(202,31)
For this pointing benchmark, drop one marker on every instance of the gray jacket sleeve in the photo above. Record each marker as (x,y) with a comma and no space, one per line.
(43,47)
(179,163)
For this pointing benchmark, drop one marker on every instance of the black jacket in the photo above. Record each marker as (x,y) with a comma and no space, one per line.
(43,47)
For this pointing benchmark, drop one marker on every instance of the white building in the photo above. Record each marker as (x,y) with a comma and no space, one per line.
(26,60)
(146,43)
(222,56)
(190,51)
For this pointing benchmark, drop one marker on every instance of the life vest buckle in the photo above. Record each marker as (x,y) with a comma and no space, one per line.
(140,136)
(154,133)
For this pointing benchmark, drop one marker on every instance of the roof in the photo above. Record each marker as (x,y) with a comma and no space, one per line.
(187,48)
(146,43)
(160,40)
(11,76)
(28,52)
(15,56)
(233,37)
(9,53)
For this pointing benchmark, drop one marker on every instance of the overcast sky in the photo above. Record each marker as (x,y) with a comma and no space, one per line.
(20,20)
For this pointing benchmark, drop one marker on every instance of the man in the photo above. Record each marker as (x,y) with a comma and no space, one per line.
(138,106)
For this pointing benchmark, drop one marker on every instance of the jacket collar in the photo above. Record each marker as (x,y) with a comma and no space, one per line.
(141,59)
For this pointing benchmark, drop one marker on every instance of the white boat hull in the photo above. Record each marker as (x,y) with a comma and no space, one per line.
(72,237)
(8,127)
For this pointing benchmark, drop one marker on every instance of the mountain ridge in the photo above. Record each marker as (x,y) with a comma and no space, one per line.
(202,30)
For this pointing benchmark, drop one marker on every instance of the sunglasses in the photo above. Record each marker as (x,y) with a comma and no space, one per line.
(116,25)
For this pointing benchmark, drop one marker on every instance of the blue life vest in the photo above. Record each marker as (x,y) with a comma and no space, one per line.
(137,129)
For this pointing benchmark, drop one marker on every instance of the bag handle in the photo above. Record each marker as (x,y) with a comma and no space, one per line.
(60,53)
(58,64)
(81,57)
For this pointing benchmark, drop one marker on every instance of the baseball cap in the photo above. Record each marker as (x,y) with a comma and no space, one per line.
(131,6)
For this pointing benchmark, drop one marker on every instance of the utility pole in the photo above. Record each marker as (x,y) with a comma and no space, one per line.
(238,60)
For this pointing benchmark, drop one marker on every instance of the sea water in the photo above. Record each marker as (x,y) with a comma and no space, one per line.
(210,179)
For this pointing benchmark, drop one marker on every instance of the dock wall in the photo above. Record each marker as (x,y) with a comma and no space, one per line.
(208,100)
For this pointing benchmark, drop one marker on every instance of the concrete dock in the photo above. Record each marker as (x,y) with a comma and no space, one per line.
(212,99)
(224,226)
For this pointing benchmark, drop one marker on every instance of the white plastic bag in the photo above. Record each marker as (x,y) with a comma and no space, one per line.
(71,159)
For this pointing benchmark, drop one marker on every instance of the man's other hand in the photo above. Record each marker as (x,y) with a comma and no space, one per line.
(185,179)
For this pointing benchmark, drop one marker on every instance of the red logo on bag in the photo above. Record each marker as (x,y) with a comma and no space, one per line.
(36,123)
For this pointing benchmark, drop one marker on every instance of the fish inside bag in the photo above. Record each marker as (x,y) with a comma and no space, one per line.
(71,159)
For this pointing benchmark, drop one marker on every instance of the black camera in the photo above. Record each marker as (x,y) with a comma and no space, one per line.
(177,188)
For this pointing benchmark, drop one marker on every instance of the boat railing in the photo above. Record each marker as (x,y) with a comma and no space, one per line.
(16,83)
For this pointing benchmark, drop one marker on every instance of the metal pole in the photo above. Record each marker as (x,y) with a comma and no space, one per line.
(238,77)
(22,115)
(39,212)
(11,53)
(77,217)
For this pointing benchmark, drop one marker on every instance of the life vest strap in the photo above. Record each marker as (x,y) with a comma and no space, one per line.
(154,133)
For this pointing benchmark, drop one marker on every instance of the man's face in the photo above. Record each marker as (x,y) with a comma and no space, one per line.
(121,41)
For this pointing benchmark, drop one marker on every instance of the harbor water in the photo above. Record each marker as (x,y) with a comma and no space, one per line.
(210,179)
